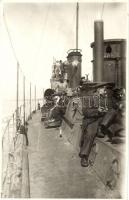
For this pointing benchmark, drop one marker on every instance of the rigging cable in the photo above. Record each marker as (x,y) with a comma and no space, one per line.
(13,49)
(11,42)
(72,22)
(102,10)
(41,36)
(9,36)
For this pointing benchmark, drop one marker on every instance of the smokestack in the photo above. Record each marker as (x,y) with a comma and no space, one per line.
(74,69)
(99,51)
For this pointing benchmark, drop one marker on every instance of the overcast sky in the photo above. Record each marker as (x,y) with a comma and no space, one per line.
(41,31)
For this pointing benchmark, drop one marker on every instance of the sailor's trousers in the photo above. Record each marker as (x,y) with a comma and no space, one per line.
(89,131)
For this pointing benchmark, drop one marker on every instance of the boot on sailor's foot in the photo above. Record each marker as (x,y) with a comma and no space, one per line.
(84,161)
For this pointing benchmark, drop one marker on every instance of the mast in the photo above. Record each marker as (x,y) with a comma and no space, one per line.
(77,19)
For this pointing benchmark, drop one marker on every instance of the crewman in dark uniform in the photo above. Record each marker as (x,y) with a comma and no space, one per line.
(89,129)
(92,117)
(38,106)
(24,130)
(113,123)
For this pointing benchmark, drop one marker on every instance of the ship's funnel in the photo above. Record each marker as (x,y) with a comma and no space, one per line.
(99,51)
(74,67)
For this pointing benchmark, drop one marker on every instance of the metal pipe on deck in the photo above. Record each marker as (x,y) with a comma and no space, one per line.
(99,51)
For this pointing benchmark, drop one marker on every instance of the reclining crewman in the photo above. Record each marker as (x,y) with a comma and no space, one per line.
(92,117)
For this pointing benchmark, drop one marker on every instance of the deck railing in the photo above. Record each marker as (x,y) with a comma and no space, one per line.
(12,153)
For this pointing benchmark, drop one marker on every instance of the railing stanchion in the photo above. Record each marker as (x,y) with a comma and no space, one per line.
(17,97)
(30,100)
(35,98)
(24,103)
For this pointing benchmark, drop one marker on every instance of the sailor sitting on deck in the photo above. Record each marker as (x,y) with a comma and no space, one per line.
(113,124)
(56,112)
(92,117)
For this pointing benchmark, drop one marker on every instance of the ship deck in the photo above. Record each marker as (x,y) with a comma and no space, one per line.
(54,166)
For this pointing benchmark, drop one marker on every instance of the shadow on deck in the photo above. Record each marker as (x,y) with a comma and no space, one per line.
(54,166)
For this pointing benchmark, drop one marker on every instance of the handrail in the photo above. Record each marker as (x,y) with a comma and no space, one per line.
(8,141)
(10,138)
